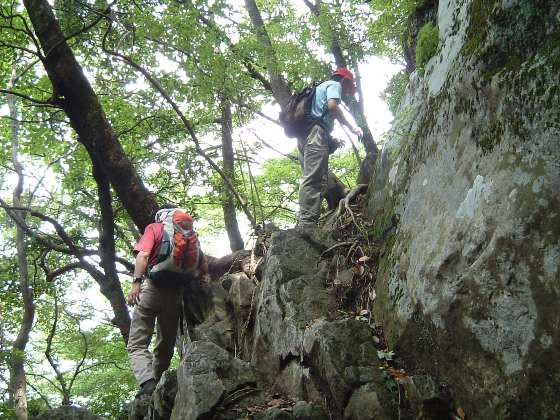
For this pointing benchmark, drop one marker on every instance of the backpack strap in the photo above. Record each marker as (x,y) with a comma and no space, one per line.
(186,232)
(312,120)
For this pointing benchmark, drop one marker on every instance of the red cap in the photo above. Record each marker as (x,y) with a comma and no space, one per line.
(345,73)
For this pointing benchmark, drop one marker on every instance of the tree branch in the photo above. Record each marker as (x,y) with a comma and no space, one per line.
(29,98)
(101,15)
(41,395)
(249,65)
(51,275)
(280,88)
(291,157)
(19,47)
(94,365)
(78,368)
(50,381)
(184,120)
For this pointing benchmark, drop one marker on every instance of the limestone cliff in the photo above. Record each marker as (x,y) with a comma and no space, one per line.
(468,289)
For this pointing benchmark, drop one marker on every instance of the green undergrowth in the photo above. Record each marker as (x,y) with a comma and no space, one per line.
(426,45)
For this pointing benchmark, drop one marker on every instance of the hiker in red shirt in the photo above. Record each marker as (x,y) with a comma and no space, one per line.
(167,255)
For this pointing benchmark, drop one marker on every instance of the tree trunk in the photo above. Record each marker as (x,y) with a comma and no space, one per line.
(112,286)
(231,263)
(280,88)
(75,95)
(230,218)
(17,368)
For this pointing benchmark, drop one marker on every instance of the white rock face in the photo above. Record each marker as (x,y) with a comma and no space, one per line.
(452,23)
(479,192)
(469,285)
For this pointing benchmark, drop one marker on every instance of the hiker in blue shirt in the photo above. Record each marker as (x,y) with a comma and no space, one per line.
(314,149)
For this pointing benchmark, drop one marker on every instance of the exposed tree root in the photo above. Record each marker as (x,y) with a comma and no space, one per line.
(337,245)
(345,202)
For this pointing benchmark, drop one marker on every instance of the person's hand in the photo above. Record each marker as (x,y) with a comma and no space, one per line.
(134,295)
(357,131)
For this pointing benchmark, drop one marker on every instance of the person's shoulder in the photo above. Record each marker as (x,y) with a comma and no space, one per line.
(154,227)
(328,83)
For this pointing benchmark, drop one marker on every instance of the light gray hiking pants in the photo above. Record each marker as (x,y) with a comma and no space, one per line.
(314,159)
(155,304)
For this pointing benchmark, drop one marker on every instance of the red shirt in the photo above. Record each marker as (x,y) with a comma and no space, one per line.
(153,234)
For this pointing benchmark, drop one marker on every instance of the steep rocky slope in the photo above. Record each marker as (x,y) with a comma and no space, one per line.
(455,269)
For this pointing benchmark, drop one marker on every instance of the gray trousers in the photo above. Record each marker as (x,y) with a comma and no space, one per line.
(314,159)
(159,306)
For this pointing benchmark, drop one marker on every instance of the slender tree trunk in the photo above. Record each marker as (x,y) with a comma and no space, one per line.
(54,364)
(75,95)
(280,88)
(17,368)
(112,286)
(230,217)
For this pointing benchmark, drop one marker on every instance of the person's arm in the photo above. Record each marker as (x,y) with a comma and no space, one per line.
(337,113)
(140,268)
(142,250)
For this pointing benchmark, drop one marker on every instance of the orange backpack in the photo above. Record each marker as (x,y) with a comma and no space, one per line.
(178,254)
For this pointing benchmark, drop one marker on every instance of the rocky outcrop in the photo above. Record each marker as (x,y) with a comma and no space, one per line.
(210,380)
(299,350)
(468,287)
(296,349)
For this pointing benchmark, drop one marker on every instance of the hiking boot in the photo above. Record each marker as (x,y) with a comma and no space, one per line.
(147,388)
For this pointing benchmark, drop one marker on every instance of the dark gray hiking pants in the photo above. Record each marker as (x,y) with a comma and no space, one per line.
(314,159)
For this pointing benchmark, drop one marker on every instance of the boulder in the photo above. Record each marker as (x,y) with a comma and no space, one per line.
(364,404)
(425,398)
(341,357)
(209,379)
(274,414)
(291,295)
(242,295)
(163,398)
(216,323)
(303,410)
(297,351)
(139,408)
